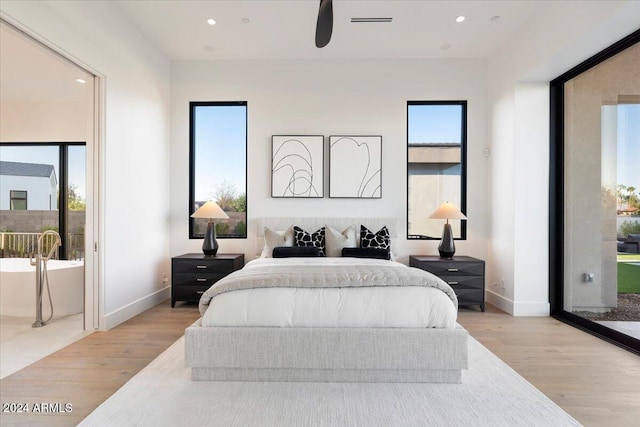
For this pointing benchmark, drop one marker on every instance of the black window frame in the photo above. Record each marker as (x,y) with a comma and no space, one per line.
(12,198)
(63,182)
(192,162)
(463,166)
(556,200)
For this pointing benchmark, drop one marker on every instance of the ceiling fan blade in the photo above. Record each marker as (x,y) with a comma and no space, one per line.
(325,23)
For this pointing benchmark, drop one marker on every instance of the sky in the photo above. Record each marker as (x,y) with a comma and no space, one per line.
(49,156)
(435,123)
(629,145)
(221,154)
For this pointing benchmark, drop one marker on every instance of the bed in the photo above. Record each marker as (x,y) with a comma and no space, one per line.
(337,319)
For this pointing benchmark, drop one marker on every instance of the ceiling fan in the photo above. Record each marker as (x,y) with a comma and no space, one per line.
(324,26)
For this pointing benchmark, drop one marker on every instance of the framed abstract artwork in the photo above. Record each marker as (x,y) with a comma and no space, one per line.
(355,167)
(297,166)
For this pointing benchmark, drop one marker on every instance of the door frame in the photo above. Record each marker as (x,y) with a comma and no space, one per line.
(94,231)
(556,201)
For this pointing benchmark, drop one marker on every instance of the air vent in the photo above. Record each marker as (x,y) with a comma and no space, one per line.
(371,19)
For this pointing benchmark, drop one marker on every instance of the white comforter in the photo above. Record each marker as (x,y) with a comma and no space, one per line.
(386,306)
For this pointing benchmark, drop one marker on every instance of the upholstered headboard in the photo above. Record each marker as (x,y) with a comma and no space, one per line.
(312,224)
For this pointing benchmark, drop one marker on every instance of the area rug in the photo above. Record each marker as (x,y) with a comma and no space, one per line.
(491,394)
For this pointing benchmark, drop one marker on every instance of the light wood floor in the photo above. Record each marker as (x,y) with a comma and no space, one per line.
(595,382)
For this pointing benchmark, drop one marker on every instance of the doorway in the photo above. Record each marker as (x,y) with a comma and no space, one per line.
(48,127)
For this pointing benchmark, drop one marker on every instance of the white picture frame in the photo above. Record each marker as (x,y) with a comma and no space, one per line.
(355,166)
(297,166)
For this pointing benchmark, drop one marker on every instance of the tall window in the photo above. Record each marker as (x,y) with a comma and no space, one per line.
(218,165)
(436,165)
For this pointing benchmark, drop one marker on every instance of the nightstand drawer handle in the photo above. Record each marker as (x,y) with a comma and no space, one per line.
(452,283)
(201,266)
(452,269)
(200,292)
(201,280)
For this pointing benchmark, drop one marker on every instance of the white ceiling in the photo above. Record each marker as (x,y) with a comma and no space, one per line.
(279,29)
(30,72)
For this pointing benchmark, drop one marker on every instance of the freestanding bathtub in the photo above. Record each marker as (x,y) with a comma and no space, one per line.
(18,288)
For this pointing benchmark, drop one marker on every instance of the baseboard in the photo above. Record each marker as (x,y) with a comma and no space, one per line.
(523,309)
(127,312)
(532,309)
(499,301)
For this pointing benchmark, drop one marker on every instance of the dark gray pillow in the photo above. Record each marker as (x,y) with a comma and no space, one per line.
(295,251)
(377,253)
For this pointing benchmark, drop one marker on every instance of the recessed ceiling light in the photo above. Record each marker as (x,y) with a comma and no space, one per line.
(446,46)
(460,18)
(245,20)
(495,18)
(211,21)
(81,80)
(209,48)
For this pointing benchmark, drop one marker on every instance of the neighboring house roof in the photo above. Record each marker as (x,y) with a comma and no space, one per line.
(26,169)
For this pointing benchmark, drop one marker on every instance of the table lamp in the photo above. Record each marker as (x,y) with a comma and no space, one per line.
(210,210)
(447,211)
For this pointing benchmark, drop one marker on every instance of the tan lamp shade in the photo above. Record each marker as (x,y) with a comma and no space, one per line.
(447,211)
(210,210)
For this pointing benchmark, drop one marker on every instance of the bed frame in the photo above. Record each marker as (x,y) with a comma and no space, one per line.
(326,354)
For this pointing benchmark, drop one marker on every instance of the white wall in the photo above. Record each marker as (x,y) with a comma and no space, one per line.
(560,37)
(134,160)
(327,98)
(41,191)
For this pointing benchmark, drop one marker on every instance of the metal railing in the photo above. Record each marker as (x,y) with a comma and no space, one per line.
(24,245)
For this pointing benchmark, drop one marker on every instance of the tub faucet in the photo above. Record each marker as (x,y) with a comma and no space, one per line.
(40,261)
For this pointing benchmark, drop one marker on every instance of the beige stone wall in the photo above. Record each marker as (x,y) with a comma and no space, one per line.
(37,221)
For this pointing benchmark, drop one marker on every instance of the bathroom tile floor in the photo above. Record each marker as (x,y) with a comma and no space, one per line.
(21,345)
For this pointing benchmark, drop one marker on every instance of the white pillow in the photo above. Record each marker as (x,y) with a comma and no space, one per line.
(335,241)
(274,239)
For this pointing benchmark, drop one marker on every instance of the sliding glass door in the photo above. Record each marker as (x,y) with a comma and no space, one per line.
(595,180)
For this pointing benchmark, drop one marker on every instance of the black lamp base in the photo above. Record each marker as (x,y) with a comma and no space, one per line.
(210,244)
(447,248)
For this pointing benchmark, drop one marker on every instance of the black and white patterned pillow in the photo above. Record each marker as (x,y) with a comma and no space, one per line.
(304,238)
(380,240)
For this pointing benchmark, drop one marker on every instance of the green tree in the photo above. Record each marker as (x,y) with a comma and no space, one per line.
(224,195)
(74,201)
(222,228)
(241,229)
(240,203)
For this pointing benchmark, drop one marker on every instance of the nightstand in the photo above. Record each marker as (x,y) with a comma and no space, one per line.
(193,274)
(464,274)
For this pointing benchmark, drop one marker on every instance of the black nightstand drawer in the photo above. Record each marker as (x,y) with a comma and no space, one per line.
(473,282)
(196,279)
(188,293)
(441,268)
(193,274)
(202,266)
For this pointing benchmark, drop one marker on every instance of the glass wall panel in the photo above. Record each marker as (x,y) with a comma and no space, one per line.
(601,185)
